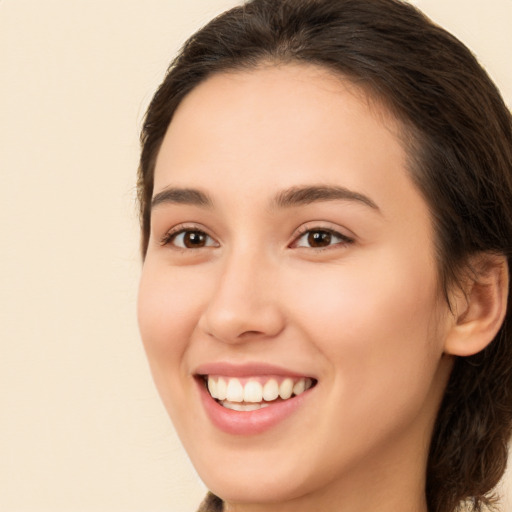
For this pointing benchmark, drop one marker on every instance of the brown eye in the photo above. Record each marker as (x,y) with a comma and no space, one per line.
(319,238)
(194,239)
(190,239)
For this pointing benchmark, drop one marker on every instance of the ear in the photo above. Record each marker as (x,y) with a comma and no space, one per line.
(479,309)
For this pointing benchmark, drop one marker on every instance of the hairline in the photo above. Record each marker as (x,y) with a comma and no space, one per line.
(407,133)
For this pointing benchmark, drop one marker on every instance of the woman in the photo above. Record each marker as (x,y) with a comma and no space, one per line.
(326,206)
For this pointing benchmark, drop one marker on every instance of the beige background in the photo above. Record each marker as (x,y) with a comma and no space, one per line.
(81,427)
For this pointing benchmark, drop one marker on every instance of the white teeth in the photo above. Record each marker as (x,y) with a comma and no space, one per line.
(299,387)
(235,391)
(212,387)
(270,390)
(221,389)
(243,407)
(286,389)
(253,391)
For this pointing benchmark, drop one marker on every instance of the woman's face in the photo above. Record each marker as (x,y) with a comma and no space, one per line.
(289,248)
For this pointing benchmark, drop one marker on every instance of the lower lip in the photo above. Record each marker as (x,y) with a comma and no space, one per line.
(248,422)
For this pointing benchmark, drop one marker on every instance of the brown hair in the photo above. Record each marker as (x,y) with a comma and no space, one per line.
(458,133)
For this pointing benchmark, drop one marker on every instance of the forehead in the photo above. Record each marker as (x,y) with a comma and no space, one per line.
(281,124)
(304,95)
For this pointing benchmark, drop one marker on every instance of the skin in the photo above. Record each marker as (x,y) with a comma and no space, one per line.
(364,317)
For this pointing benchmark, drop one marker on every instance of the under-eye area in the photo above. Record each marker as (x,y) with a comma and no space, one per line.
(253,393)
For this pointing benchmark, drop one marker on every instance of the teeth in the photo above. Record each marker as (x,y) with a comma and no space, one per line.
(253,392)
(270,390)
(220,388)
(235,391)
(286,389)
(299,387)
(212,387)
(243,407)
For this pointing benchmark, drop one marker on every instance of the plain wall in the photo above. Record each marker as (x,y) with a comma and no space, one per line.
(81,426)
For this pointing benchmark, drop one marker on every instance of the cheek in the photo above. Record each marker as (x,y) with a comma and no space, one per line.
(168,310)
(169,305)
(373,322)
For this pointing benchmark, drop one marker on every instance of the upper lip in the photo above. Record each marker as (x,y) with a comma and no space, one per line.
(246,370)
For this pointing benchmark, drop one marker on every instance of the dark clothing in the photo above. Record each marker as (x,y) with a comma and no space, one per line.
(211,504)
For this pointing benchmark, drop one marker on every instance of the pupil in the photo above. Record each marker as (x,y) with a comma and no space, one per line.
(319,238)
(194,239)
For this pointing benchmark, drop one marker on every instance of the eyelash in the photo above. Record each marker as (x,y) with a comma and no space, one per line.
(170,237)
(174,233)
(344,240)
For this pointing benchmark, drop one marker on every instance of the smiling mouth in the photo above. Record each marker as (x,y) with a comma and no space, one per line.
(253,393)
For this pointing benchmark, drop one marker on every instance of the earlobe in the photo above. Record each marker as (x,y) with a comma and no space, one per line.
(479,310)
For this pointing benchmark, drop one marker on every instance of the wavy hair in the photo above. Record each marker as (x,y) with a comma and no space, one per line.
(458,135)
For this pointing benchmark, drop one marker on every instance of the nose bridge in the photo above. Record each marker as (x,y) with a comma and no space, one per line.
(243,301)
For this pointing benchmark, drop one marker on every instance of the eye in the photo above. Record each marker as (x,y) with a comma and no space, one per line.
(189,239)
(321,238)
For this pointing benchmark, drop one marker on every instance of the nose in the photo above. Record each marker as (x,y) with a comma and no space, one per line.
(244,304)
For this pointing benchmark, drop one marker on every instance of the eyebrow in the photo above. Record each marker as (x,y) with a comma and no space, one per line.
(294,196)
(188,196)
(297,196)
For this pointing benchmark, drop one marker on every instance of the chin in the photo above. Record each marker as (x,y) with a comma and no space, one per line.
(256,486)
(272,472)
